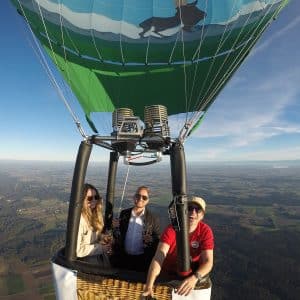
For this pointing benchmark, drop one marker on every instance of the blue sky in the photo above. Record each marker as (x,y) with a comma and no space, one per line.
(255,117)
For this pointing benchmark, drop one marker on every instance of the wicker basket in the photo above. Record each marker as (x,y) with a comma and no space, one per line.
(93,287)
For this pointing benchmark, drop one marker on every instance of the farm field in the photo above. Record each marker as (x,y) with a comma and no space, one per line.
(254,212)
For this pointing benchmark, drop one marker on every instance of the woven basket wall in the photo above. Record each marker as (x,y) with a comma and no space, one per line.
(92,287)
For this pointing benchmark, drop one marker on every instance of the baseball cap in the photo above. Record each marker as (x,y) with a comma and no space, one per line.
(199,201)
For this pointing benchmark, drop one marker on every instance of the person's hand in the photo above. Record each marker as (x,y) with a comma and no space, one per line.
(148,292)
(187,285)
(106,248)
(147,238)
(115,223)
(106,238)
(106,242)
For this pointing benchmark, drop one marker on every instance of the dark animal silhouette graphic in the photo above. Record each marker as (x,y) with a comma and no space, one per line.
(190,15)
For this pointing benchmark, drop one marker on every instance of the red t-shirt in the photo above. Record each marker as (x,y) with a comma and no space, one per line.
(200,239)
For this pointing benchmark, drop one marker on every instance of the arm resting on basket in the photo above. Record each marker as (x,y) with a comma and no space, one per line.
(155,267)
(204,268)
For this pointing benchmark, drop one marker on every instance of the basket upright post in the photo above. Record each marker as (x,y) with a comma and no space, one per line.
(110,189)
(178,173)
(75,204)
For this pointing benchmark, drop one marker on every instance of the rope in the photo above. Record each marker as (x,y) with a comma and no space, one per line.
(148,40)
(221,42)
(121,47)
(237,61)
(189,122)
(67,66)
(92,32)
(201,105)
(123,192)
(46,31)
(147,50)
(233,47)
(62,32)
(173,49)
(45,65)
(202,102)
(197,53)
(184,61)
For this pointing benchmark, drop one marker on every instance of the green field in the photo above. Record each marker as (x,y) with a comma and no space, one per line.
(11,284)
(49,297)
(46,288)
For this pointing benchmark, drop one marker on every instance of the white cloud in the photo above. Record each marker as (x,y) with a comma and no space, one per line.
(248,114)
(254,112)
(293,129)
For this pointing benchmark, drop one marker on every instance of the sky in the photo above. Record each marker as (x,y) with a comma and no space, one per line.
(255,117)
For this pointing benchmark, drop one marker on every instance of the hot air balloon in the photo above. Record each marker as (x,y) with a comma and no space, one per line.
(156,66)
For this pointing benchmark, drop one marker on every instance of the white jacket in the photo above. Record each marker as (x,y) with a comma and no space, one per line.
(87,243)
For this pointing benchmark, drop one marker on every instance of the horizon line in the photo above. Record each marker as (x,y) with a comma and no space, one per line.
(162,162)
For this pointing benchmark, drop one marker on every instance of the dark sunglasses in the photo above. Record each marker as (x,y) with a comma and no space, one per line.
(191,208)
(90,198)
(139,196)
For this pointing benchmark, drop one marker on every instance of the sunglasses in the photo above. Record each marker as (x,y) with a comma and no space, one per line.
(191,208)
(90,198)
(139,196)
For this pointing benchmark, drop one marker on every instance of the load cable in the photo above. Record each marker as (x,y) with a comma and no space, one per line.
(123,191)
(42,59)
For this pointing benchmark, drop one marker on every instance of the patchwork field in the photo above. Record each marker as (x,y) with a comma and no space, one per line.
(254,212)
(21,281)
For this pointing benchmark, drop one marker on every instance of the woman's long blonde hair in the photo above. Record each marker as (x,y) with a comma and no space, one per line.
(94,217)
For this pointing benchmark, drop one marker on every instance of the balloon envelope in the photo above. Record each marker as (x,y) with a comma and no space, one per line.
(133,53)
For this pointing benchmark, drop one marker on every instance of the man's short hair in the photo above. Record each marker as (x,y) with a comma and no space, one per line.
(143,187)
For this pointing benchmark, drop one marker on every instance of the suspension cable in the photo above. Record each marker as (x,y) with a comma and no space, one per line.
(123,192)
(237,61)
(42,59)
(197,54)
(184,59)
(244,47)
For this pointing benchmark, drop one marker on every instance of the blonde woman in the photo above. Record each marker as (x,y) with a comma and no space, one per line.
(91,225)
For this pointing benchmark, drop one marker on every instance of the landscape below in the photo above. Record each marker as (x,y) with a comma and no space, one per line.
(254,210)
